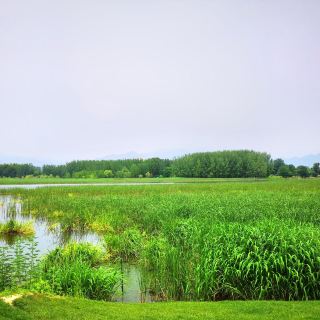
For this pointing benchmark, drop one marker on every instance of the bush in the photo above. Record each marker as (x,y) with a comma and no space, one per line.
(284,171)
(303,171)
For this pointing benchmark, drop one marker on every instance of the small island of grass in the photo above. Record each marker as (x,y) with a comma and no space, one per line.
(13,227)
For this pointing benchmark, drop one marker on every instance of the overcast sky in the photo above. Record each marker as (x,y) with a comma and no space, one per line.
(85,79)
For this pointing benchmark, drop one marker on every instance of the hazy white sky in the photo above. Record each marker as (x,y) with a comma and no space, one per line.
(84,79)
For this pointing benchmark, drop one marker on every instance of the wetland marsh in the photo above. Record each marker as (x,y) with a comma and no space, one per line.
(212,241)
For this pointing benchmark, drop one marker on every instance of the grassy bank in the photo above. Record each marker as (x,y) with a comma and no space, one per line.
(53,308)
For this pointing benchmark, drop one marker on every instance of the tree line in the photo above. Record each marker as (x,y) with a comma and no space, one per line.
(284,170)
(219,164)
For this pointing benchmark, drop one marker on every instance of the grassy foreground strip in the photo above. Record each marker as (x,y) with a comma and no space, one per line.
(44,307)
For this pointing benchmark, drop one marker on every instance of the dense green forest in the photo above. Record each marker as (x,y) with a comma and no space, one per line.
(223,164)
(219,164)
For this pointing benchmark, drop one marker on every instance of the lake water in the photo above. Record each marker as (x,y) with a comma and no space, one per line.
(12,208)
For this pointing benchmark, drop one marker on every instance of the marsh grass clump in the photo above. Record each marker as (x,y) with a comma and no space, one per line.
(77,270)
(13,227)
(84,252)
(101,227)
(126,246)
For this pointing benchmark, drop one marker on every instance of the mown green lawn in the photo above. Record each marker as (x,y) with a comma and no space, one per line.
(54,308)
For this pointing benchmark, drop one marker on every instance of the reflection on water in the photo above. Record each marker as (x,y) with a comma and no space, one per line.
(131,288)
(11,208)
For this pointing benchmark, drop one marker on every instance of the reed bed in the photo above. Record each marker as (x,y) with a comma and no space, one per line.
(227,240)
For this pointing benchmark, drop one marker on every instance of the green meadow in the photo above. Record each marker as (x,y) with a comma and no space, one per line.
(39,307)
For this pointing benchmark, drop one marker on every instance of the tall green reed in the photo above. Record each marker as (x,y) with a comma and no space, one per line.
(19,264)
(235,261)
(77,270)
